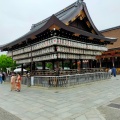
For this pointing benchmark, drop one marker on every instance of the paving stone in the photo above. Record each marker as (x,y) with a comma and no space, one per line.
(82,117)
(4,115)
(41,118)
(78,102)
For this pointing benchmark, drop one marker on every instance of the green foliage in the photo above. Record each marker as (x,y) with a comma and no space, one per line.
(49,65)
(66,64)
(38,64)
(6,62)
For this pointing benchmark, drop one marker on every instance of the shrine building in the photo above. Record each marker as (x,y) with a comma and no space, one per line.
(66,36)
(111,57)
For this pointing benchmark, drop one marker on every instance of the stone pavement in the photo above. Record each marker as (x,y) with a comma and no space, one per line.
(82,102)
(4,115)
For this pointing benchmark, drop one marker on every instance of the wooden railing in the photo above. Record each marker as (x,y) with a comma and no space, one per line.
(65,72)
(63,81)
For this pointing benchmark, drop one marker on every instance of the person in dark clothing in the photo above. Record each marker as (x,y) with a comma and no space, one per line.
(28,77)
(3,77)
(114,71)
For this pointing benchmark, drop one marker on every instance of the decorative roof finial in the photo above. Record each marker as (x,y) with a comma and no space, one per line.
(78,2)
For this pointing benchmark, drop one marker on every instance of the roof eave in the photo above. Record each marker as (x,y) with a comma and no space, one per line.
(56,21)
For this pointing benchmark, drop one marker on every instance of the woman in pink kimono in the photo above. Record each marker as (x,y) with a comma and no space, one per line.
(18,82)
(13,79)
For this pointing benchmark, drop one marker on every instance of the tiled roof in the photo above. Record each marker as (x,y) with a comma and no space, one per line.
(110,29)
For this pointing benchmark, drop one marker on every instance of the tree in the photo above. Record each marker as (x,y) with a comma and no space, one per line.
(49,65)
(6,62)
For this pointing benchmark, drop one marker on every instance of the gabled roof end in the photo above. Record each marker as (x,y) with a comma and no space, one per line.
(78,2)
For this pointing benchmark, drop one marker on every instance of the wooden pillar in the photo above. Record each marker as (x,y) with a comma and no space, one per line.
(90,63)
(96,63)
(78,65)
(33,66)
(117,61)
(113,62)
(57,64)
(106,62)
(118,58)
(31,60)
(70,64)
(62,64)
(75,64)
(12,54)
(53,65)
(43,65)
(30,66)
(21,69)
(100,63)
(81,63)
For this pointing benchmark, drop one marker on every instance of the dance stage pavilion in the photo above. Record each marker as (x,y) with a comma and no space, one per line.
(67,36)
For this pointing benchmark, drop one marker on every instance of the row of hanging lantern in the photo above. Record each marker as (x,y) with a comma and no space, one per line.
(43,51)
(59,49)
(26,55)
(68,56)
(77,44)
(23,61)
(85,61)
(62,56)
(46,57)
(55,56)
(39,52)
(77,51)
(87,57)
(65,50)
(60,41)
(69,50)
(92,52)
(22,50)
(73,56)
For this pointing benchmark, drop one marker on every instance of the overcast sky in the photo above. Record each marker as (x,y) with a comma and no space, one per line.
(17,16)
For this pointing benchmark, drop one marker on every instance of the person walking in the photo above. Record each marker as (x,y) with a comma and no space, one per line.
(114,71)
(13,79)
(18,82)
(110,71)
(28,79)
(3,77)
(0,77)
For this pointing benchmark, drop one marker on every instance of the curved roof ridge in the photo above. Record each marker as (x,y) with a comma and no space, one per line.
(91,22)
(56,14)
